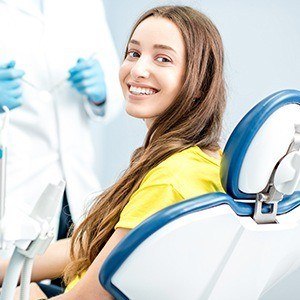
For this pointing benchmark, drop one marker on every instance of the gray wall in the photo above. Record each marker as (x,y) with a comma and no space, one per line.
(262,47)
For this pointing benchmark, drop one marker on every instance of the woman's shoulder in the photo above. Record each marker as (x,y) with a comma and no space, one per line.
(182,166)
(192,155)
(190,159)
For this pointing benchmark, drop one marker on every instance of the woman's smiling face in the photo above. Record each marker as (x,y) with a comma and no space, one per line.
(152,73)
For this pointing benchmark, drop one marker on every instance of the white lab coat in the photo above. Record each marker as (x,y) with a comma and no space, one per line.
(49,140)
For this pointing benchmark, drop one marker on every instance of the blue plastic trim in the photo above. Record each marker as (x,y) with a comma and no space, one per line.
(243,135)
(169,214)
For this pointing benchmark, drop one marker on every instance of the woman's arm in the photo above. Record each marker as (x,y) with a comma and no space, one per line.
(52,263)
(49,265)
(89,286)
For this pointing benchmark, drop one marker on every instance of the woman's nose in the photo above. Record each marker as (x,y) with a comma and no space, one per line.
(140,69)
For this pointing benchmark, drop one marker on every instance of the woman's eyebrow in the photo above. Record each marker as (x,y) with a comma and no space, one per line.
(160,46)
(134,42)
(156,46)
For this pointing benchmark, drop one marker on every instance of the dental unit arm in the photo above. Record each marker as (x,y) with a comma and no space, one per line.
(30,234)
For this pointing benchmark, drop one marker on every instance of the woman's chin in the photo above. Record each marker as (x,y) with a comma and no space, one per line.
(136,113)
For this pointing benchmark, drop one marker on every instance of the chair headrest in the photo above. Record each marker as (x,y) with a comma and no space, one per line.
(258,143)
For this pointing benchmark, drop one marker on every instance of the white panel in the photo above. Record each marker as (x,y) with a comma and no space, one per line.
(263,257)
(174,262)
(268,146)
(212,255)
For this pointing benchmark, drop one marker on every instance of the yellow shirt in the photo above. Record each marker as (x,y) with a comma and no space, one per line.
(74,282)
(183,175)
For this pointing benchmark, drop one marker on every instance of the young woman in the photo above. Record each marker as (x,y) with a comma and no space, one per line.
(172,78)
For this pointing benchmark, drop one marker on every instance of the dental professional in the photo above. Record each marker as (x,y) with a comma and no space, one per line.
(58,72)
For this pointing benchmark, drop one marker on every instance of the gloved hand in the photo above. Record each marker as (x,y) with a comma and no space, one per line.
(10,86)
(88,79)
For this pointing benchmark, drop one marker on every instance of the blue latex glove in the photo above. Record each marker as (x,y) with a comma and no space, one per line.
(88,79)
(10,86)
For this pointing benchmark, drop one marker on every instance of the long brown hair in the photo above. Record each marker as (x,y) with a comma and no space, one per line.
(194,118)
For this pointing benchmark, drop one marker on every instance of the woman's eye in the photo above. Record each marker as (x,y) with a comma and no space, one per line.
(163,59)
(133,54)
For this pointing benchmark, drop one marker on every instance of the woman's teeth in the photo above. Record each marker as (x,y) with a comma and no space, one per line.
(141,91)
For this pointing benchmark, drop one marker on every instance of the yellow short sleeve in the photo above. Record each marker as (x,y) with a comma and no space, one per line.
(145,202)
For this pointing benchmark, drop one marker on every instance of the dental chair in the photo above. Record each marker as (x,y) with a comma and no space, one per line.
(238,245)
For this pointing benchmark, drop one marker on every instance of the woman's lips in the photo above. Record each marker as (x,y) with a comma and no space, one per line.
(142,88)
